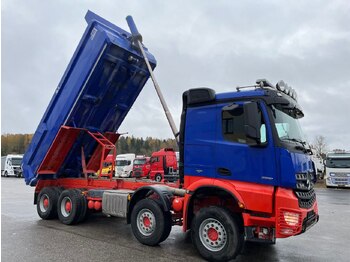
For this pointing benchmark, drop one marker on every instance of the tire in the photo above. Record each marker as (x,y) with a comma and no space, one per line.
(6,174)
(69,207)
(216,235)
(47,203)
(168,224)
(158,177)
(83,203)
(149,223)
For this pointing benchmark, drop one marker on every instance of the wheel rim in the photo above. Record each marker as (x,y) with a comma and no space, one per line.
(158,178)
(212,235)
(66,206)
(146,222)
(44,203)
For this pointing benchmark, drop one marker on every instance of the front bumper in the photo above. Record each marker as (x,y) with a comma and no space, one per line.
(287,202)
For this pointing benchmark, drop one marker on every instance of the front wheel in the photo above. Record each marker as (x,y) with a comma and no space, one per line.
(216,235)
(158,178)
(149,223)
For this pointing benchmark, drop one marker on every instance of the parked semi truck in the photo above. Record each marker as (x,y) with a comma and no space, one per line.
(337,172)
(245,172)
(142,167)
(125,164)
(108,166)
(319,165)
(11,165)
(164,165)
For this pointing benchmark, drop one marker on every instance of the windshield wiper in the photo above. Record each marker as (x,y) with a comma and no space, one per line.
(303,143)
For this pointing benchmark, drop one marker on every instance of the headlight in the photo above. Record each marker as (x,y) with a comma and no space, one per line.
(291,218)
(331,174)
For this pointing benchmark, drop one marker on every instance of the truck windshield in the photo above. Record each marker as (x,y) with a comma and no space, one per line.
(16,161)
(139,161)
(122,163)
(288,128)
(338,162)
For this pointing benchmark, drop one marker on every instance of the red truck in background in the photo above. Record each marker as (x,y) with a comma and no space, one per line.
(142,167)
(163,165)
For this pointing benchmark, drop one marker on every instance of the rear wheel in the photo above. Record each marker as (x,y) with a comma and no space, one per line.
(216,235)
(83,203)
(47,203)
(69,207)
(149,223)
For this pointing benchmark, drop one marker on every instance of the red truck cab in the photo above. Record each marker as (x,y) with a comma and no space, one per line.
(142,167)
(163,162)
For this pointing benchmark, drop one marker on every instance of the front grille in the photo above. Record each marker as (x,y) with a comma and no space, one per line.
(137,174)
(340,181)
(304,190)
(340,174)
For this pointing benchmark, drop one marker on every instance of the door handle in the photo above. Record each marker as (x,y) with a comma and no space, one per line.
(224,171)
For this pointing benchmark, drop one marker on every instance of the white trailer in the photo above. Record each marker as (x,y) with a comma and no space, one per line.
(11,165)
(337,170)
(124,165)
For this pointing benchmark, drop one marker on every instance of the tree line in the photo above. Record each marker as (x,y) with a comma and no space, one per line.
(15,143)
(18,143)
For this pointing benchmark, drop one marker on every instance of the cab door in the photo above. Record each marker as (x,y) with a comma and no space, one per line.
(237,156)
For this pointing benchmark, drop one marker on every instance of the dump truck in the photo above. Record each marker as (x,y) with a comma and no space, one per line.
(245,172)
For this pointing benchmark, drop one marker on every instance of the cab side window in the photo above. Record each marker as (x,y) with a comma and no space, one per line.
(233,125)
(154,159)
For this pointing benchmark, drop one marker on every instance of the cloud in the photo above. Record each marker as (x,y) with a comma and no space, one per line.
(219,44)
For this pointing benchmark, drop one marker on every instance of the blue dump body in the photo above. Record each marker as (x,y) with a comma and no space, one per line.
(97,90)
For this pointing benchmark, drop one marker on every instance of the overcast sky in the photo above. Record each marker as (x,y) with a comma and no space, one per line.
(217,44)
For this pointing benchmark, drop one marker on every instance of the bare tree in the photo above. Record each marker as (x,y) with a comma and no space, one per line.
(320,146)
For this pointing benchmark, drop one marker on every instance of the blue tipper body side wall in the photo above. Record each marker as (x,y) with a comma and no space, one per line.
(97,90)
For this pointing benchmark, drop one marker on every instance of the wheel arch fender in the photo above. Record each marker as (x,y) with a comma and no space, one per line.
(163,192)
(207,184)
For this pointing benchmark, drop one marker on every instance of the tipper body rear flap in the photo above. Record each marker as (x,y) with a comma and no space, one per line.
(97,90)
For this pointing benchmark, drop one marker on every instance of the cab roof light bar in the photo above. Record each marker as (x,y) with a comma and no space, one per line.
(280,86)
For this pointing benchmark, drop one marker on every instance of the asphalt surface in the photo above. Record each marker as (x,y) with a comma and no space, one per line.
(25,237)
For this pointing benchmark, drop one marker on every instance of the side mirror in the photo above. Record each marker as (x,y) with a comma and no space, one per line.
(252,121)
